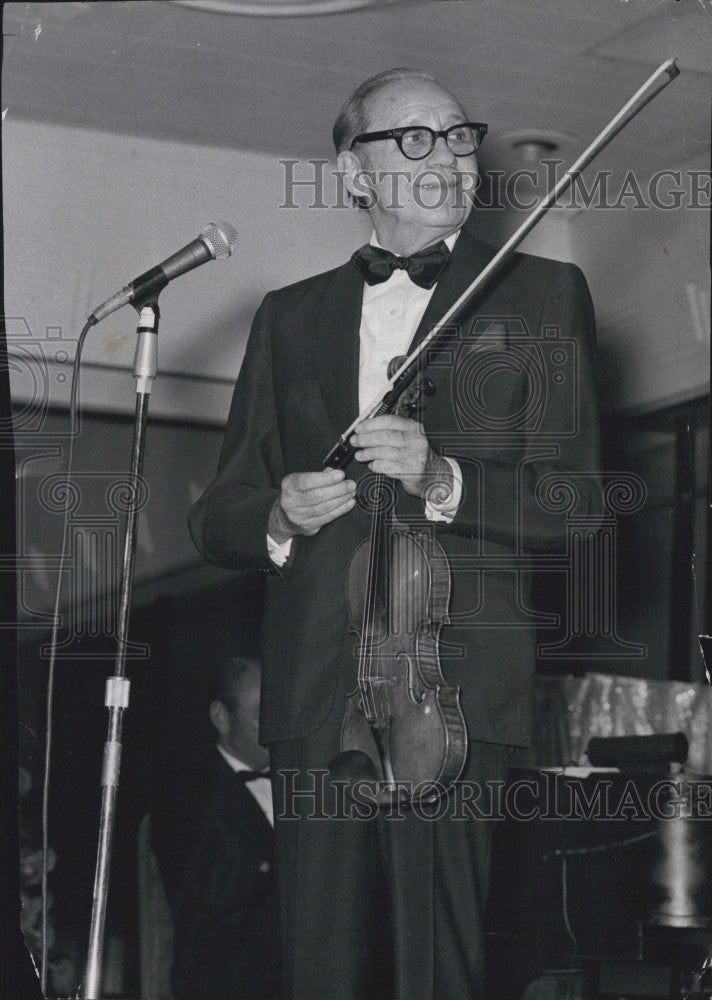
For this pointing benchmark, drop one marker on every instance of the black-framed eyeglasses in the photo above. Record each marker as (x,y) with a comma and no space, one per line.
(416,141)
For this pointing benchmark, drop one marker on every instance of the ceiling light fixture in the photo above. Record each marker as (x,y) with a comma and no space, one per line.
(527,146)
(282,8)
(533,144)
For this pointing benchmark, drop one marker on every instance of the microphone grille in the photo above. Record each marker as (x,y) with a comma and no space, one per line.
(220,238)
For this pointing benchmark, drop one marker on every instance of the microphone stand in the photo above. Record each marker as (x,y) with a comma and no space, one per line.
(117,685)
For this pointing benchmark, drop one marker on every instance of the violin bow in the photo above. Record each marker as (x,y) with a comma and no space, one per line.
(342,452)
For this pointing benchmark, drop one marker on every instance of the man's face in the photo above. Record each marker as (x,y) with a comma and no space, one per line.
(240,727)
(418,202)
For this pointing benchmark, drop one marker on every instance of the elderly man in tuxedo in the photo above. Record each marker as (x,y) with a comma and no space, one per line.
(212,834)
(513,414)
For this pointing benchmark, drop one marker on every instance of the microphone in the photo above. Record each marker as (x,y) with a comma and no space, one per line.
(215,242)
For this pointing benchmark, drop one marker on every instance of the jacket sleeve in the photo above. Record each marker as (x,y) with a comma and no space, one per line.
(520,495)
(228,524)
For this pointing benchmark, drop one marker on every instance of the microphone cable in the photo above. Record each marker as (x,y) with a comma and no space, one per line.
(64,495)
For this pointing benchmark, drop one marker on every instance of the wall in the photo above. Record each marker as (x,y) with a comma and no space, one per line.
(648,269)
(85,212)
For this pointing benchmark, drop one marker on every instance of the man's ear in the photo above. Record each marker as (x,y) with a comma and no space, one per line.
(349,166)
(357,179)
(219,717)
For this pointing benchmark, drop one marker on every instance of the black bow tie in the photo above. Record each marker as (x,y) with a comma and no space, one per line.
(424,268)
(245,776)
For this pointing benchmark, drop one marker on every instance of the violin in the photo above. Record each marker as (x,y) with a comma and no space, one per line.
(403,726)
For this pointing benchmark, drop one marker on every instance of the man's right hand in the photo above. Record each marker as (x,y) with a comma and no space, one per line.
(308,501)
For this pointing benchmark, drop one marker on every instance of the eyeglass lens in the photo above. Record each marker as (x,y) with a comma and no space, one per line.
(418,142)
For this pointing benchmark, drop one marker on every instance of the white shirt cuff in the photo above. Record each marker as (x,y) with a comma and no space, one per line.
(446,508)
(278,553)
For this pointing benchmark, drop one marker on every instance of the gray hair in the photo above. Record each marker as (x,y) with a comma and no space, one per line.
(353,118)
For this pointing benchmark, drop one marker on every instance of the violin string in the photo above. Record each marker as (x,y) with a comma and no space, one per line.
(369,613)
(380,592)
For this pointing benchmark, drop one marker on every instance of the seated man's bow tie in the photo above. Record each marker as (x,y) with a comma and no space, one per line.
(424,268)
(246,776)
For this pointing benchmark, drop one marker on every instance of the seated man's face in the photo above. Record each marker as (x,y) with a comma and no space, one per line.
(241,738)
(431,197)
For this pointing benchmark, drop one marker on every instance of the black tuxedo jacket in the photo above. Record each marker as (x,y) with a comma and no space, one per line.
(215,849)
(515,405)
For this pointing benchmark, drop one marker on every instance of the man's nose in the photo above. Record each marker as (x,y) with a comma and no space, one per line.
(441,153)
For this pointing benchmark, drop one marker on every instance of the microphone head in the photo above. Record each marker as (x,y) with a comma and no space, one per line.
(220,238)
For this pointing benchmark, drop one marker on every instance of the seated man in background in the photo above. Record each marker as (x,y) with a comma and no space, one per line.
(213,838)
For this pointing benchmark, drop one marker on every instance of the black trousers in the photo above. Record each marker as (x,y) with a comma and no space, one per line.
(378,907)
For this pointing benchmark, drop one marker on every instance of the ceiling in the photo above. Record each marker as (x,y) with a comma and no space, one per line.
(237,94)
(274,84)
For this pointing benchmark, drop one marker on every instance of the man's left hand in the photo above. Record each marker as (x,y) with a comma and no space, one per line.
(398,447)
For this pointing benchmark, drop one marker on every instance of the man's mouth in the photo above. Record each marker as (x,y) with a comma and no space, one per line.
(432,180)
(435,185)
(439,192)
(441,189)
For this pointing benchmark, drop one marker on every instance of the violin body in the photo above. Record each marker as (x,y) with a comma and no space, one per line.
(403,714)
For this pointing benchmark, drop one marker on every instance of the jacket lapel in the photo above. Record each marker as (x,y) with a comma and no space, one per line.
(245,814)
(469,257)
(336,341)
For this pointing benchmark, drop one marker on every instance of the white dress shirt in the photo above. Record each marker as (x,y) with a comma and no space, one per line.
(260,789)
(390,315)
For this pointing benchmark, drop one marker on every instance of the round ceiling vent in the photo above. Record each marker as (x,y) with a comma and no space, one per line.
(281,8)
(532,145)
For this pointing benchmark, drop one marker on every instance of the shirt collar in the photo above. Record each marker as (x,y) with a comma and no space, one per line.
(449,240)
(235,763)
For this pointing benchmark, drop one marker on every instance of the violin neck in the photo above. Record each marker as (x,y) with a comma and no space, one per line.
(376,611)
(381,521)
